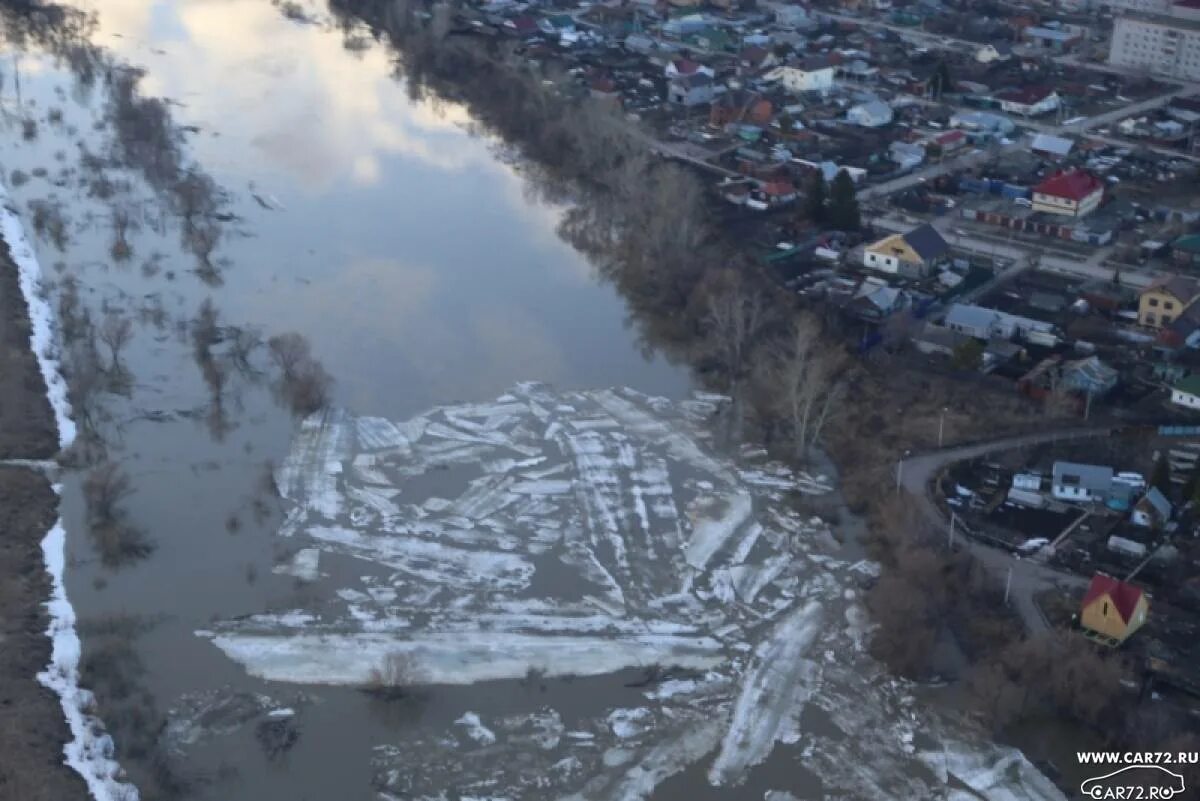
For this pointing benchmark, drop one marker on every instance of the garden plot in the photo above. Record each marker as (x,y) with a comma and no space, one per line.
(577,534)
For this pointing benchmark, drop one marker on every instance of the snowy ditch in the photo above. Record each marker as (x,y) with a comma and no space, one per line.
(574,534)
(90,751)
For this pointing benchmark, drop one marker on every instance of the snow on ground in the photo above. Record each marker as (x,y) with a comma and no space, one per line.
(90,751)
(577,534)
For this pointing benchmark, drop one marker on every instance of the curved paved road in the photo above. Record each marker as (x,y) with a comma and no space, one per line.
(1028,577)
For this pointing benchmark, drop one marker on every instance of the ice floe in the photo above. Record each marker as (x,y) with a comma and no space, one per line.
(576,535)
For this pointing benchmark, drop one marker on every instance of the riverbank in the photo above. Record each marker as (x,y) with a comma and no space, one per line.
(33,730)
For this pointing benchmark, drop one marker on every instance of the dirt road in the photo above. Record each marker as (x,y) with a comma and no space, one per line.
(1029,577)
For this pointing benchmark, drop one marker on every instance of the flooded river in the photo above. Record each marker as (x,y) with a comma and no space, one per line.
(506,562)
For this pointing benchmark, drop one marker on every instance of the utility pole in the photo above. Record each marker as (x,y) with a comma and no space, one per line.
(1007,585)
(941,425)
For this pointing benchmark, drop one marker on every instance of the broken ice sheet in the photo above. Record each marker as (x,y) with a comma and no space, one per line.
(196,717)
(569,534)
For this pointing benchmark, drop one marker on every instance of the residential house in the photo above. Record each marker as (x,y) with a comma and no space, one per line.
(682,67)
(983,122)
(984,323)
(523,25)
(1029,101)
(1182,332)
(1071,193)
(872,114)
(811,75)
(771,194)
(1186,250)
(740,106)
(1070,481)
(1152,511)
(690,90)
(1057,40)
(557,24)
(792,15)
(950,141)
(755,58)
(1186,393)
(1166,299)
(998,51)
(710,40)
(1113,608)
(913,254)
(907,155)
(1089,377)
(1050,146)
(873,301)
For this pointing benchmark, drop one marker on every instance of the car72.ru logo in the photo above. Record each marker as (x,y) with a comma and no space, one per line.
(1134,783)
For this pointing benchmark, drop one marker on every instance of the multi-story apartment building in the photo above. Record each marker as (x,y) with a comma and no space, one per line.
(1160,43)
(1144,6)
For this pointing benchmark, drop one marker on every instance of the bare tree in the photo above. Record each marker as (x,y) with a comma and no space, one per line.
(304,384)
(115,331)
(104,488)
(122,224)
(289,351)
(734,318)
(394,677)
(809,373)
(117,540)
(243,342)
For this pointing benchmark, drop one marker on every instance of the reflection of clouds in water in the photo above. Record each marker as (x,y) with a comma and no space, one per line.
(347,112)
(378,309)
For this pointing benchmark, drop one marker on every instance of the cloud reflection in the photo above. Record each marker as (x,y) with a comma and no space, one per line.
(341,112)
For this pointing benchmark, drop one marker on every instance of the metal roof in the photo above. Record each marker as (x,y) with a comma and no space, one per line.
(1092,477)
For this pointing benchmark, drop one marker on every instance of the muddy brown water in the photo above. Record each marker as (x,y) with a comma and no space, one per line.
(410,257)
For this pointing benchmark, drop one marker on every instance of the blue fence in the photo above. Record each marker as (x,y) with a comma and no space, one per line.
(1179,431)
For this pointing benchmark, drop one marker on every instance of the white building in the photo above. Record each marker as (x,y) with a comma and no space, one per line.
(872,114)
(1162,44)
(1029,101)
(1187,393)
(813,76)
(984,323)
(1081,482)
(1001,51)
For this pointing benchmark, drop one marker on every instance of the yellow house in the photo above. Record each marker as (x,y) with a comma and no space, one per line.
(1112,608)
(1165,299)
(910,254)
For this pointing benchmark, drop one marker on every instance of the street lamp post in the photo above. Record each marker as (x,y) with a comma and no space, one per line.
(900,470)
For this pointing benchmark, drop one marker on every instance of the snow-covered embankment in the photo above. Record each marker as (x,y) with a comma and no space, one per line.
(90,751)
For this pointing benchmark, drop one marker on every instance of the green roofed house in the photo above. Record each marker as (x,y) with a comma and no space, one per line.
(1186,250)
(1187,393)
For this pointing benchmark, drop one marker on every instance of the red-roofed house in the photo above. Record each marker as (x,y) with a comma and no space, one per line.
(1029,101)
(523,25)
(1073,193)
(950,140)
(1112,608)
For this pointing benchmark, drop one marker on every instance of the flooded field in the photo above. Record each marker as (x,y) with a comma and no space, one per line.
(384,499)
